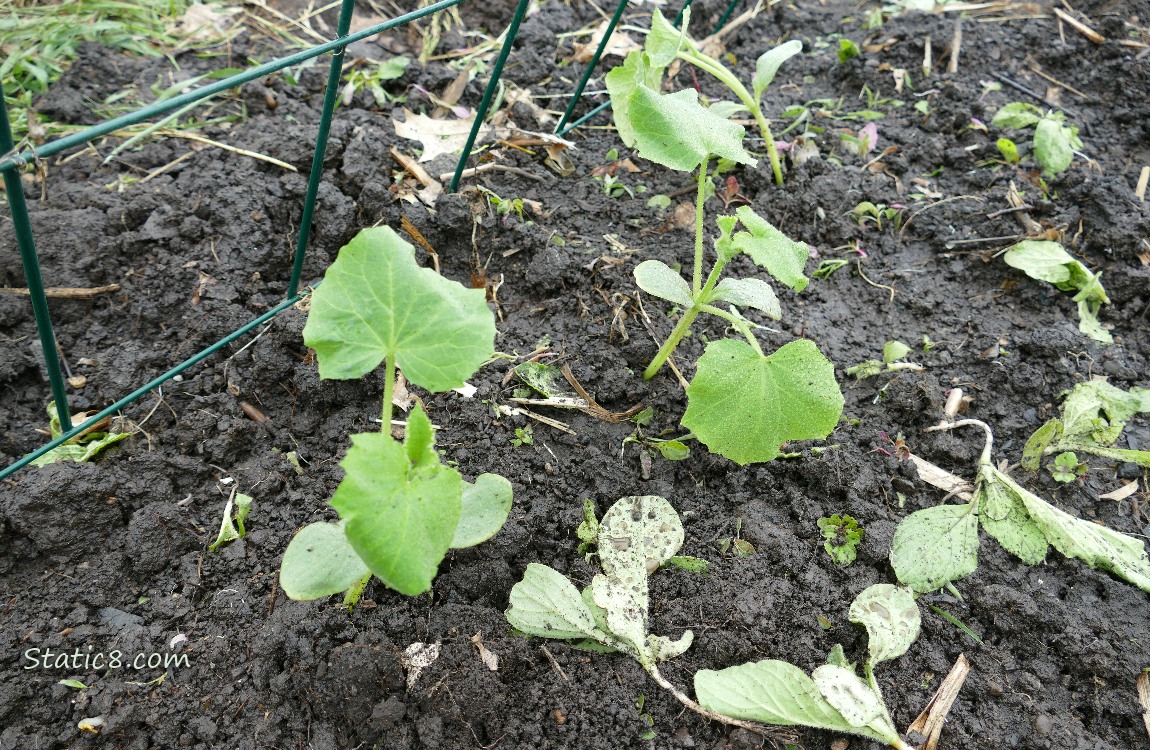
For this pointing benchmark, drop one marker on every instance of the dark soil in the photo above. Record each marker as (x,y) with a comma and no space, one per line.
(112,555)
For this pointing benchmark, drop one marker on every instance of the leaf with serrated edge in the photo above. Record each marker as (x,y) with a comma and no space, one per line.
(768,65)
(399,520)
(319,562)
(935,546)
(744,405)
(657,279)
(1098,546)
(483,510)
(676,131)
(769,692)
(891,618)
(783,258)
(1005,518)
(376,302)
(548,605)
(754,293)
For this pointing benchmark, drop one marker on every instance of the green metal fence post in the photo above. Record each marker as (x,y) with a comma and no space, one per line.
(682,11)
(31,262)
(489,93)
(334,73)
(726,14)
(591,65)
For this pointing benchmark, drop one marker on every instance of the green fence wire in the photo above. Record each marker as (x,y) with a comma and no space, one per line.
(11,162)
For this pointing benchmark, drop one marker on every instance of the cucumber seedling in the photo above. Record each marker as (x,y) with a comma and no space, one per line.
(400,508)
(1054,141)
(1093,417)
(1048,261)
(742,403)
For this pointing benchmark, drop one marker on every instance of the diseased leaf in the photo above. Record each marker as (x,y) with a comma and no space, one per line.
(1017,115)
(676,131)
(935,546)
(483,511)
(320,562)
(769,692)
(1096,411)
(1036,446)
(783,258)
(754,293)
(377,302)
(891,618)
(745,405)
(657,279)
(848,694)
(546,604)
(768,65)
(400,518)
(638,533)
(1005,518)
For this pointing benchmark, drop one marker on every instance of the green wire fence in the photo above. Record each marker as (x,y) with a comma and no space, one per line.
(12,161)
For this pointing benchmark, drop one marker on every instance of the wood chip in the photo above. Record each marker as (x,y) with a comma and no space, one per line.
(1144,698)
(930,722)
(66,292)
(1122,492)
(1143,179)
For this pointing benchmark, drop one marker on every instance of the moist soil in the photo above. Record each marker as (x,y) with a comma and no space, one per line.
(112,555)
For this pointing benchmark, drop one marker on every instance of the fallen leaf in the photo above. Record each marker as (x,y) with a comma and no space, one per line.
(1122,492)
(437,136)
(203,23)
(489,659)
(683,216)
(619,44)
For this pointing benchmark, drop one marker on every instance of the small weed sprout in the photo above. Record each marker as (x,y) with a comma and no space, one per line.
(1055,142)
(231,530)
(82,448)
(842,535)
(1066,467)
(523,436)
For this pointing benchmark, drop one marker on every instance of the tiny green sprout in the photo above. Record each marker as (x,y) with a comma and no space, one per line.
(1048,261)
(690,564)
(848,50)
(613,188)
(828,267)
(939,545)
(523,436)
(1055,142)
(372,78)
(612,154)
(74,684)
(588,528)
(1067,468)
(928,343)
(892,353)
(1009,150)
(1092,419)
(824,622)
(228,530)
(834,697)
(659,202)
(401,509)
(922,106)
(843,535)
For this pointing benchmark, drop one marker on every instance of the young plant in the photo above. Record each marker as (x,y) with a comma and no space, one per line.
(935,546)
(1093,416)
(788,395)
(892,352)
(1048,261)
(1054,141)
(842,535)
(400,508)
(228,531)
(635,537)
(834,697)
(84,447)
(1066,467)
(664,44)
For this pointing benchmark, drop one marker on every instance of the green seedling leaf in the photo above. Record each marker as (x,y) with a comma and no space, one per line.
(891,618)
(843,535)
(1036,446)
(377,302)
(672,450)
(228,531)
(769,62)
(400,515)
(483,511)
(848,695)
(727,110)
(1047,261)
(1054,145)
(769,692)
(935,546)
(1004,517)
(657,279)
(82,448)
(319,562)
(588,529)
(781,256)
(243,508)
(848,50)
(1067,467)
(754,293)
(74,684)
(1009,150)
(546,380)
(893,351)
(867,369)
(690,564)
(1096,545)
(676,131)
(1096,411)
(724,243)
(1017,115)
(664,41)
(745,405)
(392,68)
(548,605)
(622,81)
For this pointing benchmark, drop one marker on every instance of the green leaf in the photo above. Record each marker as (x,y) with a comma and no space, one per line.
(547,380)
(1089,324)
(846,529)
(657,279)
(1096,411)
(676,131)
(848,695)
(893,351)
(673,450)
(1096,545)
(689,564)
(754,293)
(419,440)
(727,110)
(1036,446)
(483,511)
(1067,467)
(664,41)
(75,684)
(745,405)
(81,448)
(588,529)
(1123,455)
(768,65)
(377,302)
(622,81)
(1042,260)
(548,605)
(783,258)
(400,518)
(319,562)
(769,692)
(848,50)
(243,508)
(891,618)
(867,369)
(392,68)
(1017,115)
(1005,518)
(1052,145)
(1009,150)
(935,546)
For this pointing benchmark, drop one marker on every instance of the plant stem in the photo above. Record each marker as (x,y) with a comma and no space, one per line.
(700,199)
(716,69)
(388,391)
(677,334)
(351,598)
(740,326)
(984,460)
(682,697)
